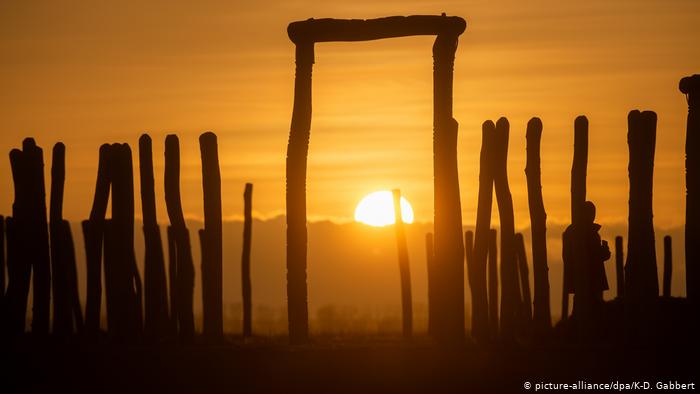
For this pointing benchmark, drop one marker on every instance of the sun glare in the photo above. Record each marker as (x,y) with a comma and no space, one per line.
(377,209)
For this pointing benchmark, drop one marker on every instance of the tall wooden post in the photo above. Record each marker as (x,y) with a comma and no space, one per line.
(469,254)
(62,319)
(212,266)
(690,86)
(246,285)
(641,278)
(542,318)
(184,282)
(404,268)
(493,282)
(155,285)
(579,168)
(510,289)
(477,272)
(524,274)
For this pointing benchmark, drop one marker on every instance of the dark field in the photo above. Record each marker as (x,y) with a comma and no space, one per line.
(348,364)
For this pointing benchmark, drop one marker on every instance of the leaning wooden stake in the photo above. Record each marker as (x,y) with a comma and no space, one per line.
(212,267)
(184,282)
(477,270)
(640,269)
(62,319)
(690,86)
(510,301)
(404,268)
(245,260)
(619,267)
(155,285)
(668,266)
(542,319)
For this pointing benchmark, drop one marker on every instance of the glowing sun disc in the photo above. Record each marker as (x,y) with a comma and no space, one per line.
(377,209)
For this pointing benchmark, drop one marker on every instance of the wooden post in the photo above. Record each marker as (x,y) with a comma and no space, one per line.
(619,270)
(579,168)
(74,308)
(246,285)
(542,318)
(469,254)
(690,86)
(668,266)
(477,271)
(493,282)
(524,274)
(212,267)
(93,234)
(640,270)
(184,283)
(430,262)
(404,268)
(510,301)
(155,289)
(172,281)
(19,275)
(62,319)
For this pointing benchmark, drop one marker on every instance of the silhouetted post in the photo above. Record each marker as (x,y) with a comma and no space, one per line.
(579,168)
(641,278)
(469,253)
(619,270)
(212,277)
(127,320)
(542,317)
(29,215)
(62,318)
(430,262)
(404,268)
(155,285)
(510,300)
(493,282)
(690,86)
(477,271)
(668,266)
(93,234)
(184,267)
(245,260)
(524,274)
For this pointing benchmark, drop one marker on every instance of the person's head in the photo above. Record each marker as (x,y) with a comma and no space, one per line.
(588,212)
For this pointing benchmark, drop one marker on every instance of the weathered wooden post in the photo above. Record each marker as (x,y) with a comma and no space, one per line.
(690,86)
(212,266)
(29,216)
(469,254)
(155,286)
(542,317)
(579,168)
(477,271)
(510,300)
(524,275)
(404,268)
(19,272)
(619,270)
(246,285)
(74,308)
(430,262)
(93,235)
(62,307)
(172,280)
(668,266)
(184,282)
(641,278)
(493,282)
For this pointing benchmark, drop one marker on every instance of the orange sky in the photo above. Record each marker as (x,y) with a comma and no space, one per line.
(89,72)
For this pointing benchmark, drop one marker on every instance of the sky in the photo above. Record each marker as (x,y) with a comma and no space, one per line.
(86,73)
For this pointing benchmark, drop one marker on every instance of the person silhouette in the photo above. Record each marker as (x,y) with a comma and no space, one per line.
(585,253)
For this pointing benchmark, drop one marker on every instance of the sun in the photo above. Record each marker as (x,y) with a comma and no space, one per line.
(377,209)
